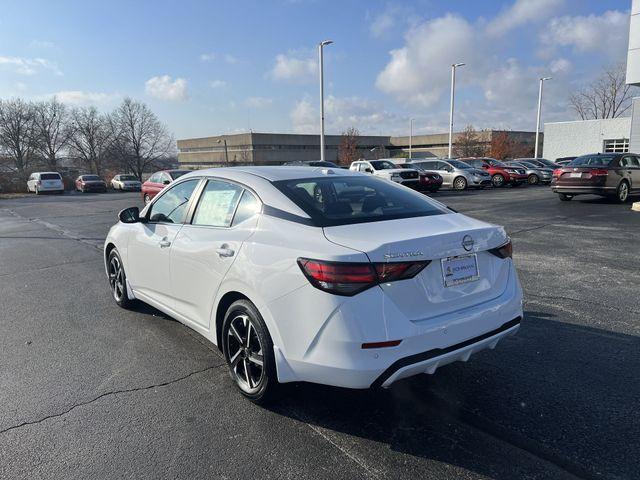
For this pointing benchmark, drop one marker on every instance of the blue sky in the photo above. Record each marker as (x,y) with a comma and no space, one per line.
(210,67)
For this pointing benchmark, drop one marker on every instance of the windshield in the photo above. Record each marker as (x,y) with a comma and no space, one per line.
(49,176)
(128,178)
(177,173)
(588,160)
(91,177)
(347,200)
(459,164)
(382,165)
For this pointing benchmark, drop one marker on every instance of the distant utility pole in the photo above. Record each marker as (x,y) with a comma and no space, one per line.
(321,45)
(410,137)
(535,149)
(226,151)
(453,94)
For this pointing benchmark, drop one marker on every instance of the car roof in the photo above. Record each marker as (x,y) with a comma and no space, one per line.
(40,173)
(272,173)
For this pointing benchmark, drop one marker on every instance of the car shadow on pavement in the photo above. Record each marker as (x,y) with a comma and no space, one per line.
(564,393)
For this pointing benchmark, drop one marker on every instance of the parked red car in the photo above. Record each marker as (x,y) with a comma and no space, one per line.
(501,173)
(158,181)
(90,183)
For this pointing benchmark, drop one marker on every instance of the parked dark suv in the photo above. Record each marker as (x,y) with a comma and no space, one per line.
(608,174)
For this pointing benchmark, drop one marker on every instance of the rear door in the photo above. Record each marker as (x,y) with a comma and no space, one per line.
(204,250)
(635,173)
(149,245)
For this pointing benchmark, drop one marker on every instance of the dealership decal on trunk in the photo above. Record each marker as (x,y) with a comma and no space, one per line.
(389,256)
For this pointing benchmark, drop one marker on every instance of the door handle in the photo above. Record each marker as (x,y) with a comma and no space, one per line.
(164,243)
(225,251)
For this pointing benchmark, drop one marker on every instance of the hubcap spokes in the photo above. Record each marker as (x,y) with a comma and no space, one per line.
(245,354)
(115,278)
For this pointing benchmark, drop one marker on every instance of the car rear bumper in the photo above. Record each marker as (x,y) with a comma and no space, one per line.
(582,189)
(336,356)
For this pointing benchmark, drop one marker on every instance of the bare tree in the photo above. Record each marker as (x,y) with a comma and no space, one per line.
(91,137)
(606,97)
(468,143)
(139,138)
(348,148)
(52,130)
(16,132)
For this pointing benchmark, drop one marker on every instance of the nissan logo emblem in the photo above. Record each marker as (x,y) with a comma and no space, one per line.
(467,243)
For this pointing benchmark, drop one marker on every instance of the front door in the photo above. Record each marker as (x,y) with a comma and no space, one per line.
(150,243)
(446,172)
(205,249)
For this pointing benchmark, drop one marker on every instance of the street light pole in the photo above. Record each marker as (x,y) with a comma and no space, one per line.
(321,62)
(453,90)
(226,151)
(410,138)
(535,148)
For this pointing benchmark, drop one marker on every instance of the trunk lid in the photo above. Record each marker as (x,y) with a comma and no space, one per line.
(430,238)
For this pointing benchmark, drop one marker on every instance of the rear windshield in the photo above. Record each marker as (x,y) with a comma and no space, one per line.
(128,178)
(588,160)
(90,177)
(49,176)
(348,200)
(177,173)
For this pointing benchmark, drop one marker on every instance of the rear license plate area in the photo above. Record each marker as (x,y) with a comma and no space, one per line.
(459,269)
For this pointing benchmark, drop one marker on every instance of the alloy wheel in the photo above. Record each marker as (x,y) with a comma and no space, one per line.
(497,180)
(533,179)
(246,357)
(146,199)
(116,280)
(623,192)
(460,183)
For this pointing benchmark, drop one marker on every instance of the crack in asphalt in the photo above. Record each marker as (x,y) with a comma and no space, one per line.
(533,228)
(107,394)
(77,262)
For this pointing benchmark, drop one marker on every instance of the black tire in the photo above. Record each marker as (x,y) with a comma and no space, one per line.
(459,183)
(622,192)
(533,179)
(37,192)
(259,383)
(118,280)
(497,180)
(564,197)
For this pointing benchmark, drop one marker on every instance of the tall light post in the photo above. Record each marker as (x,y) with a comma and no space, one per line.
(535,149)
(321,45)
(410,138)
(453,94)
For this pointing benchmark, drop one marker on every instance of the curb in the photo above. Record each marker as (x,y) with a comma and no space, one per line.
(635,206)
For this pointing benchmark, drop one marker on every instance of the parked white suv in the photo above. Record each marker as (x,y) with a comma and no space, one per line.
(41,182)
(388,170)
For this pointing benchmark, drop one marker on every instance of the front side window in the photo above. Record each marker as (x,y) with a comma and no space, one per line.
(171,207)
(176,174)
(217,204)
(383,165)
(155,178)
(348,200)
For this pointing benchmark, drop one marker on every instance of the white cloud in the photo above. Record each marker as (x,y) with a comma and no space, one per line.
(212,56)
(382,23)
(81,98)
(165,88)
(217,84)
(28,66)
(207,57)
(607,33)
(560,65)
(522,12)
(230,59)
(292,69)
(340,114)
(258,102)
(419,72)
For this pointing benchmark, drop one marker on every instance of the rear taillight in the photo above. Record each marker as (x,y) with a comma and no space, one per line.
(504,251)
(599,172)
(557,173)
(342,278)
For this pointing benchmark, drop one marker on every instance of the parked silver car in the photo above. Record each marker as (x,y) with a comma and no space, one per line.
(535,174)
(456,174)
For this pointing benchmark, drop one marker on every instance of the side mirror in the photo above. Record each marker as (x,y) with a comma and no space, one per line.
(129,215)
(485,166)
(368,170)
(166,182)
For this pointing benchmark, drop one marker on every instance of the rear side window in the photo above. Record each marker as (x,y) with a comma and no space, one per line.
(348,200)
(589,160)
(49,176)
(217,204)
(248,207)
(171,207)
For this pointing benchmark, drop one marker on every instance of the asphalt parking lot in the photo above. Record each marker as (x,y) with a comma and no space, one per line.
(88,390)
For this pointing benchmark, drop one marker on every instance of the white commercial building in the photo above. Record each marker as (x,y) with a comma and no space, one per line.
(570,139)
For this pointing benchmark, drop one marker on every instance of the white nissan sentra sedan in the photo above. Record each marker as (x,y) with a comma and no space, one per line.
(316,274)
